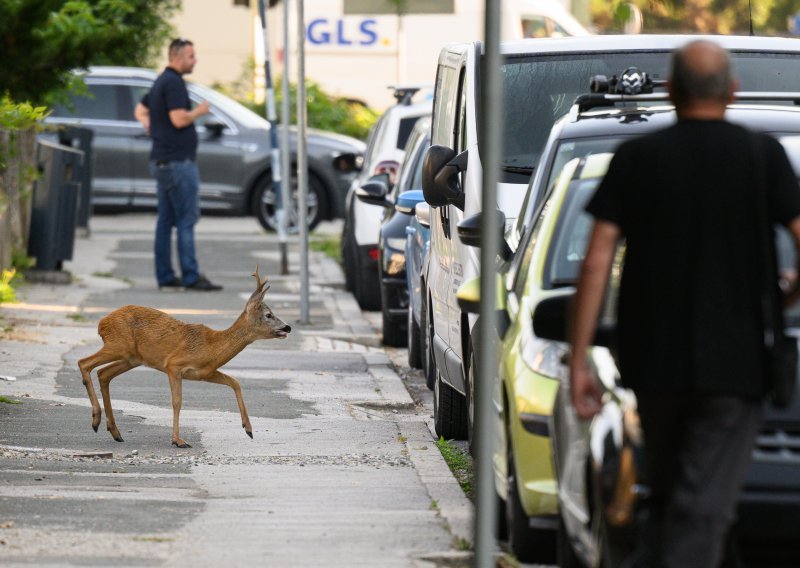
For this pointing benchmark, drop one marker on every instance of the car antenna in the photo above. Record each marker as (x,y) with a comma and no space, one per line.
(750,7)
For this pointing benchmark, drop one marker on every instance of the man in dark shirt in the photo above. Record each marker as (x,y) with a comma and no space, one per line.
(690,325)
(166,112)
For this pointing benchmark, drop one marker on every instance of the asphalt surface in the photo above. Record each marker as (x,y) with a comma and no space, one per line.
(342,469)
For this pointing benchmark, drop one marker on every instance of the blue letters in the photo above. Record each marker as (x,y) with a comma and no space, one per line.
(323,38)
(320,32)
(368,34)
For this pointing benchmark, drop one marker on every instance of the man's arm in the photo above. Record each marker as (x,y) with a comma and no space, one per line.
(181,118)
(585,389)
(142,114)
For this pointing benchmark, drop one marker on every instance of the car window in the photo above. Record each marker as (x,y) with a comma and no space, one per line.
(137,93)
(549,84)
(404,130)
(99,103)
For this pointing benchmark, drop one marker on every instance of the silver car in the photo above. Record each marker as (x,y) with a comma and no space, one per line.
(233,153)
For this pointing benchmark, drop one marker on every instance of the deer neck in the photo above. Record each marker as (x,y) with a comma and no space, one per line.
(228,343)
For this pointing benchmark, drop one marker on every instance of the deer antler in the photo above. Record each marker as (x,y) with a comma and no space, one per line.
(259,281)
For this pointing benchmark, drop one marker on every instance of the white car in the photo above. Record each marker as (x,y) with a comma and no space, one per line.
(384,155)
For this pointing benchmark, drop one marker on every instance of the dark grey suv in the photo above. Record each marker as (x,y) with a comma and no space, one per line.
(233,154)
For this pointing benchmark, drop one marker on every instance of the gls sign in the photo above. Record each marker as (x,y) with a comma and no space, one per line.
(352,33)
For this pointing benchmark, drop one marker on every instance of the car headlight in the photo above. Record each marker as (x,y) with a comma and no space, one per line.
(396,243)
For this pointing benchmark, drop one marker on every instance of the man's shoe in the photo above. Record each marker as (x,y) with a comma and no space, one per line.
(174,285)
(203,284)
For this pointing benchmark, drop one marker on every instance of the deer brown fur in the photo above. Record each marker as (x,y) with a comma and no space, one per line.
(136,335)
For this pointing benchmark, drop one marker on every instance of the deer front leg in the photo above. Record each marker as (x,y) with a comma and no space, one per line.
(176,388)
(104,376)
(223,379)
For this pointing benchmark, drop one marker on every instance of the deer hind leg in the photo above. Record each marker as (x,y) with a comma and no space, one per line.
(223,379)
(86,365)
(104,376)
(176,389)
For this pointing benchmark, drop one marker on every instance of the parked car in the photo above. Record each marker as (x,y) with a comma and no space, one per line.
(384,155)
(392,235)
(586,478)
(233,154)
(541,80)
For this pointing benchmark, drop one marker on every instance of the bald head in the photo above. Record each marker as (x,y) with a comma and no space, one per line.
(701,73)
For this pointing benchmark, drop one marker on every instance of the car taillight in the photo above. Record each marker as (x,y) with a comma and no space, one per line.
(374,253)
(388,167)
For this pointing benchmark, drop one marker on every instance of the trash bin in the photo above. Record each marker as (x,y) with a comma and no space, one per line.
(81,138)
(54,206)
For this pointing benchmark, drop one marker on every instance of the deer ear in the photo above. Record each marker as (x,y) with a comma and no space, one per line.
(258,295)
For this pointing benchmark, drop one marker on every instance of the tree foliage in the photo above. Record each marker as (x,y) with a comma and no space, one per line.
(699,16)
(41,41)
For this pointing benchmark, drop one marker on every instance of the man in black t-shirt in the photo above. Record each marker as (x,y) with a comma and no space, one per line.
(166,113)
(690,323)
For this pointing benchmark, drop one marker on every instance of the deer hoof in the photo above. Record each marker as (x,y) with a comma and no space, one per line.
(181,445)
(118,438)
(95,427)
(250,434)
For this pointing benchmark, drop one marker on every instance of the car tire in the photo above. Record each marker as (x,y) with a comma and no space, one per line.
(428,362)
(469,388)
(349,255)
(414,341)
(449,409)
(262,204)
(527,544)
(366,286)
(394,334)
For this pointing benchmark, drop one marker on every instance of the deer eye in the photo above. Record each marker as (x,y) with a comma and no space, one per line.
(269,316)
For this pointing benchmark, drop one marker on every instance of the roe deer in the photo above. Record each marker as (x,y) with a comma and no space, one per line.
(135,335)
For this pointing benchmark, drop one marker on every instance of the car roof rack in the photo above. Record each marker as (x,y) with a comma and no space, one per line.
(404,93)
(633,85)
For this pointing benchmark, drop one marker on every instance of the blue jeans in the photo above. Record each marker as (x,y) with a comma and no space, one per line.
(178,185)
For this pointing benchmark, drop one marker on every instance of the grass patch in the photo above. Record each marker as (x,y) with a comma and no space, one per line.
(330,245)
(106,274)
(7,400)
(7,279)
(434,505)
(463,544)
(460,463)
(77,317)
(402,439)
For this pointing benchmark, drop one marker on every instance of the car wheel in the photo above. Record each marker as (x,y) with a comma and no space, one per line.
(428,362)
(263,205)
(348,259)
(414,341)
(394,335)
(527,544)
(566,554)
(366,287)
(449,410)
(470,392)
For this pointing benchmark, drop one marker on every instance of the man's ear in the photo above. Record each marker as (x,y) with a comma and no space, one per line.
(732,91)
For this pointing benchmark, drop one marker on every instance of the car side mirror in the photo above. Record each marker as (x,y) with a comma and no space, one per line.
(214,129)
(468,297)
(551,318)
(375,190)
(469,231)
(408,200)
(348,162)
(423,214)
(440,180)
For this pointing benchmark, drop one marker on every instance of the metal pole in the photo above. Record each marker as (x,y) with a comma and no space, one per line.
(275,158)
(302,165)
(490,142)
(286,195)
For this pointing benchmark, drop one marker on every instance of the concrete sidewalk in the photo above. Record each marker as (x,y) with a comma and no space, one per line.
(342,470)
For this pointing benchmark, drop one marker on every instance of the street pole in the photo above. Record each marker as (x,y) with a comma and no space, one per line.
(286,163)
(490,142)
(275,158)
(302,165)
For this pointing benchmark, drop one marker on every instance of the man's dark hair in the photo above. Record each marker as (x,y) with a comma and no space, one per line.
(693,82)
(176,45)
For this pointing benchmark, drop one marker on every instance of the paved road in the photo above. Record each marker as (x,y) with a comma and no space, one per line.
(342,470)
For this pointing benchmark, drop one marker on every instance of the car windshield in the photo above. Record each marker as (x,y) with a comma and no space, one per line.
(549,84)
